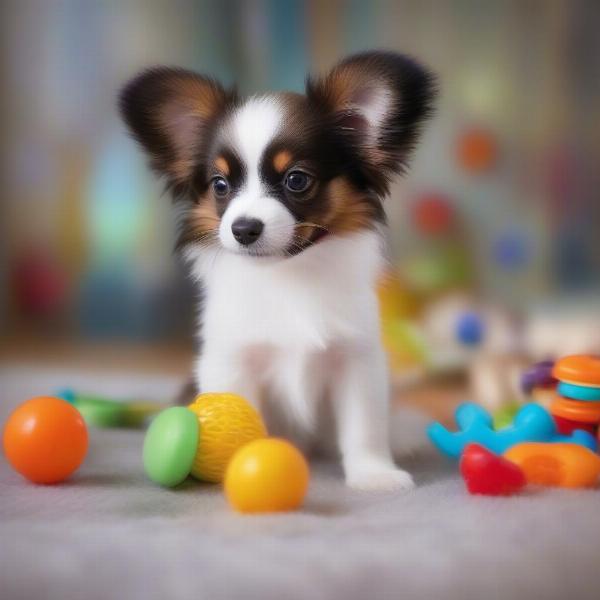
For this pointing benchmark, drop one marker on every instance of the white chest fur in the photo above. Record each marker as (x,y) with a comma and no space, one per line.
(319,296)
(288,334)
(279,325)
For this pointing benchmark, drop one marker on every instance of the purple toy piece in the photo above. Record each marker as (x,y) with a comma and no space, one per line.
(538,375)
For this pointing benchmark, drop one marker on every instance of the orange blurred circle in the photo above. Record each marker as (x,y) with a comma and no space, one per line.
(476,150)
(267,475)
(45,439)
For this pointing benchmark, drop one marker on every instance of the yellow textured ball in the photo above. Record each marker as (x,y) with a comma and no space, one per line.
(227,422)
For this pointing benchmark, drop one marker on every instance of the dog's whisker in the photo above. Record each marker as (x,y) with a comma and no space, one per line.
(309,224)
(302,224)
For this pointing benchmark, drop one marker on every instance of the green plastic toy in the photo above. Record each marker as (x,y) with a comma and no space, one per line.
(170,446)
(101,412)
(504,416)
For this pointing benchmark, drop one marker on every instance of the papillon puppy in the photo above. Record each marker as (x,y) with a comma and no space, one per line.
(282,220)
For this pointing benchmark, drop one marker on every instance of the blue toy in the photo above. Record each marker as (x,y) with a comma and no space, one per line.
(470,329)
(533,423)
(579,392)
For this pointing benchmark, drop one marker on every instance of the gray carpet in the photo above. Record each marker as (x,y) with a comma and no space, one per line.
(109,533)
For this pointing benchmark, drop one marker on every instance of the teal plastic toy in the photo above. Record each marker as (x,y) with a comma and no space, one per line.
(533,423)
(579,392)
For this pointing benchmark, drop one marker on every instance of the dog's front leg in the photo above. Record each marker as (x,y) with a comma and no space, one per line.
(361,401)
(219,369)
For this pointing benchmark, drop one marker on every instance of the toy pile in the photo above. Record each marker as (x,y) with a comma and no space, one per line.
(221,438)
(218,438)
(541,447)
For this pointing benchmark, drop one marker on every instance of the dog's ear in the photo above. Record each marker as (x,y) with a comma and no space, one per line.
(169,111)
(377,101)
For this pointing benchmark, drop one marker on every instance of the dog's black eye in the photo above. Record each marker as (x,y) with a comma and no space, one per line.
(297,181)
(220,186)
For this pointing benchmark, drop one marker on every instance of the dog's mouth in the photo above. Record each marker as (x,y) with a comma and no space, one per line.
(259,252)
(317,235)
(260,249)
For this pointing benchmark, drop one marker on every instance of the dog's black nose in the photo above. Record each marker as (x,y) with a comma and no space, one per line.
(246,231)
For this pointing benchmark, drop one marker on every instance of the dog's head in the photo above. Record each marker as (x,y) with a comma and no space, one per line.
(272,175)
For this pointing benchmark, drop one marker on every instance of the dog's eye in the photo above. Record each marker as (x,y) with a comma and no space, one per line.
(297,181)
(220,186)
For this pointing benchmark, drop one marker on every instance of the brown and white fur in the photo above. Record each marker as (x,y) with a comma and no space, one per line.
(281,222)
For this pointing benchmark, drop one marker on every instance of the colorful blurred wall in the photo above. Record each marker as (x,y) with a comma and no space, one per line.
(503,196)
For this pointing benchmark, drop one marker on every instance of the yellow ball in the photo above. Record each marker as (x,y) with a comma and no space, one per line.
(268,475)
(227,422)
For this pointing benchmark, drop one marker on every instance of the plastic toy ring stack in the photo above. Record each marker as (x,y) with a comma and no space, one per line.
(577,403)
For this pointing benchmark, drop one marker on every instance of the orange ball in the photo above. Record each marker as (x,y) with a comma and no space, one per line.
(477,150)
(266,475)
(45,439)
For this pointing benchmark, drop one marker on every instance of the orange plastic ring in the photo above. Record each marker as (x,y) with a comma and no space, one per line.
(581,369)
(584,412)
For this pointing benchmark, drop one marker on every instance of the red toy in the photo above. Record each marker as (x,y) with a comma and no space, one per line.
(489,474)
(433,214)
(567,426)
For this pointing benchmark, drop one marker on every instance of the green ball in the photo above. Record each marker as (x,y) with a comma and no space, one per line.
(170,446)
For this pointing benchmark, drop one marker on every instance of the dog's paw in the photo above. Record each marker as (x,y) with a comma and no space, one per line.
(379,478)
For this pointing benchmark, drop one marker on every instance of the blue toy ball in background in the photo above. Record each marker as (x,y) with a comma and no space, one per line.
(511,250)
(470,329)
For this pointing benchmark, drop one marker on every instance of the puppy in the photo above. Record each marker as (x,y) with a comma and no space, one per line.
(281,220)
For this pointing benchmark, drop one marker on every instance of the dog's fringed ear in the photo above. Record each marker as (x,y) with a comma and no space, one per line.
(169,111)
(378,102)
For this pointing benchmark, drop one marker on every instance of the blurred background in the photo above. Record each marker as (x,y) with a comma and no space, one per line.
(495,252)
